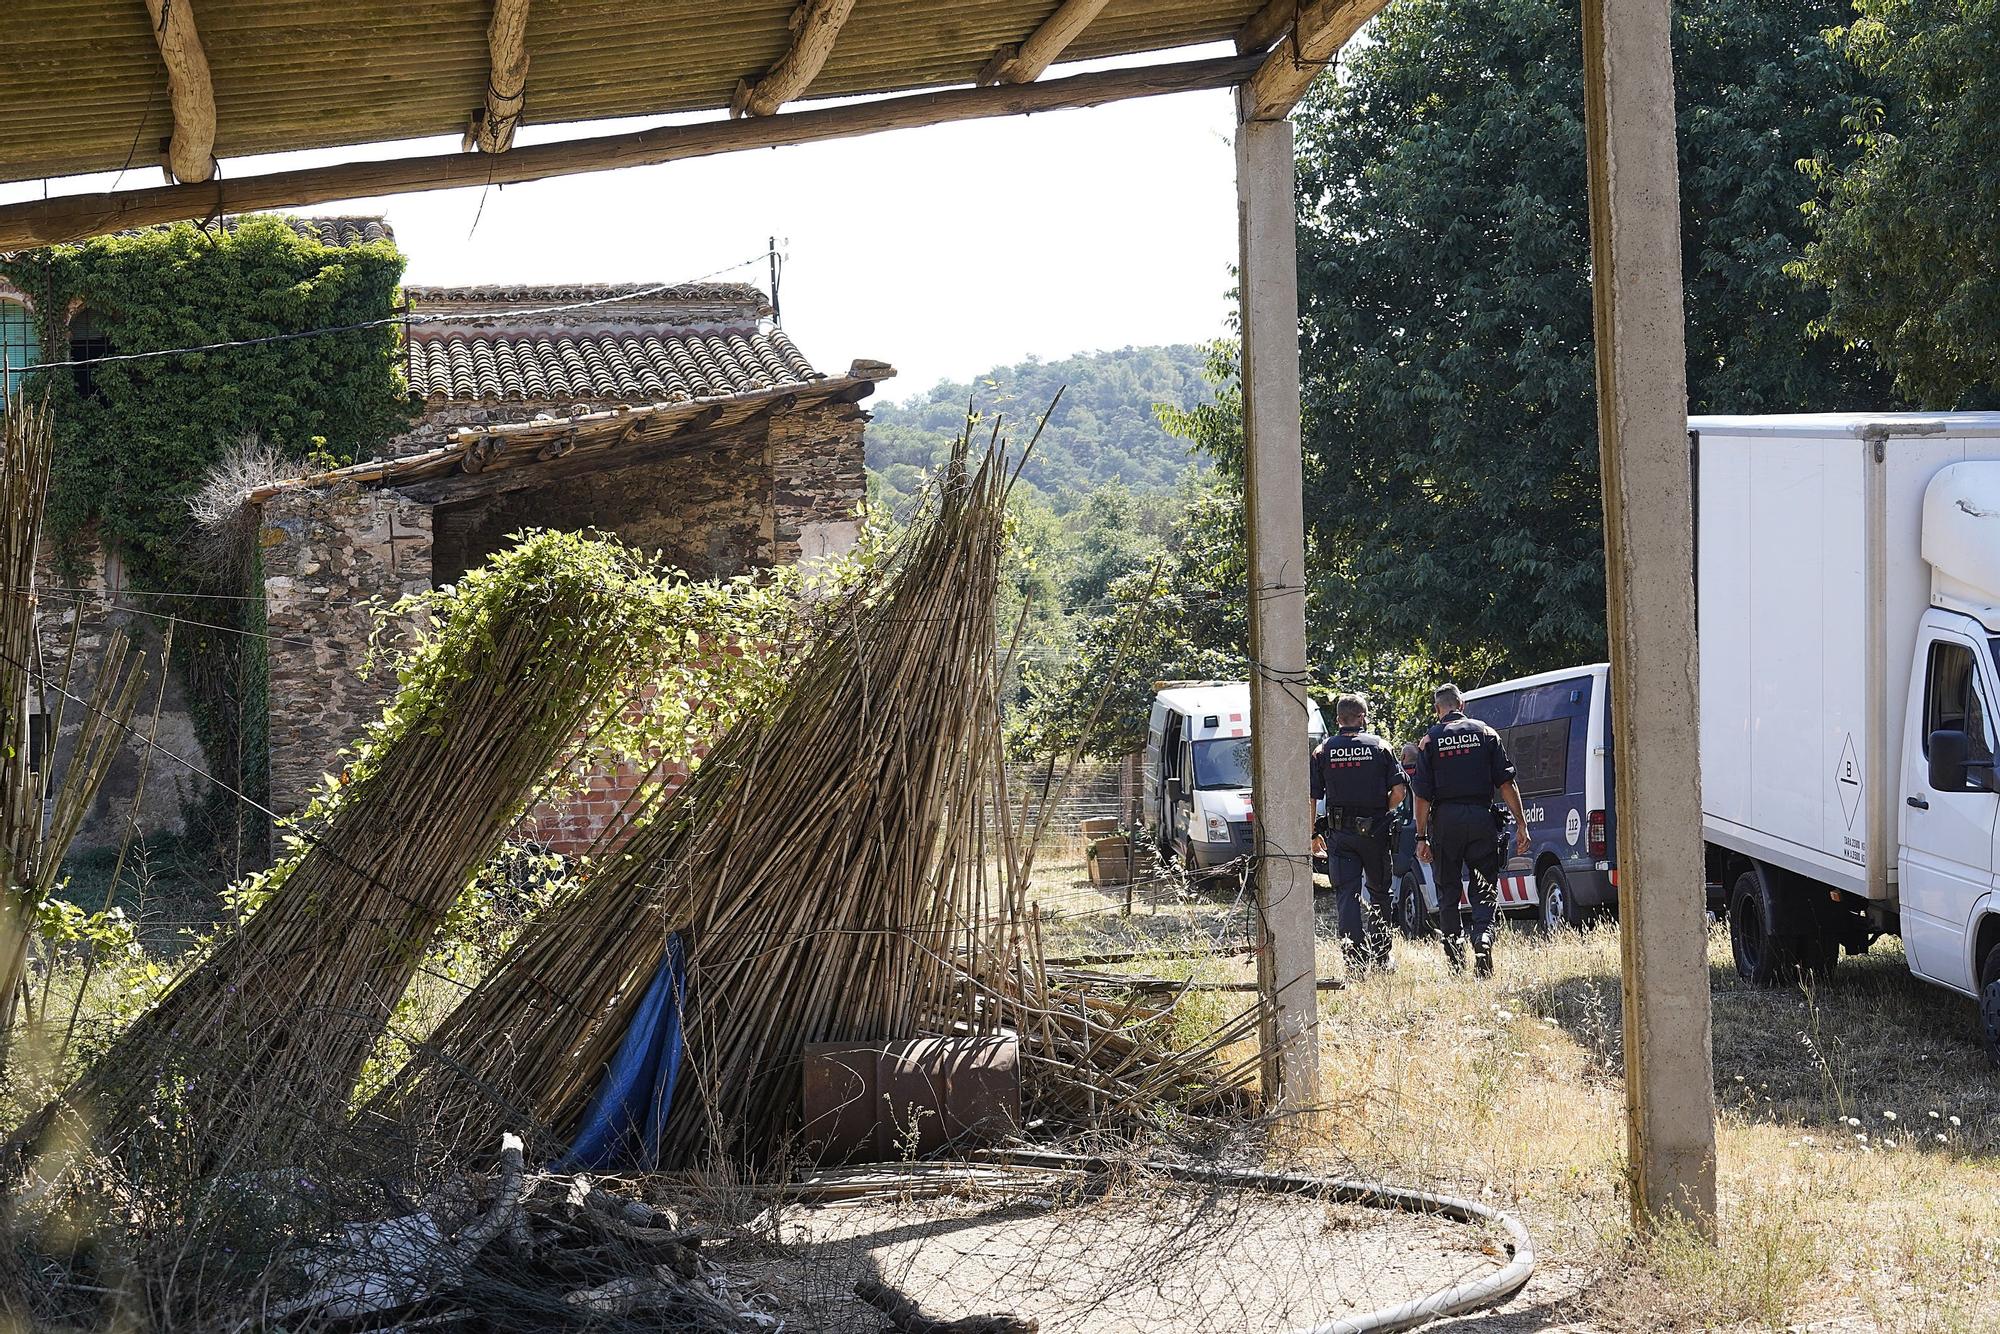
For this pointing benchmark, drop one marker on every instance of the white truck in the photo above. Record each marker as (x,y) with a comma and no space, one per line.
(1848,602)
(1197,770)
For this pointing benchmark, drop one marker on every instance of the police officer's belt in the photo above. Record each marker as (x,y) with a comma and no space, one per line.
(1464,801)
(1349,820)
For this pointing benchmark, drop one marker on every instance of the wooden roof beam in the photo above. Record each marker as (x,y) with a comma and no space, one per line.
(816,25)
(491,129)
(1267,25)
(190,152)
(1045,45)
(41,222)
(1322,28)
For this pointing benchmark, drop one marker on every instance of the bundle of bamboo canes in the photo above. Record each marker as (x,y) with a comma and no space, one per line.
(807,862)
(263,1042)
(32,846)
(837,871)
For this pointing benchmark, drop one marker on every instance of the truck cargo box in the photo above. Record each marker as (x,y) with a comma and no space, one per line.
(1810,584)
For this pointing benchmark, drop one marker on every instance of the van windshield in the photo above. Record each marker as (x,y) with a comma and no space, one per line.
(1222,763)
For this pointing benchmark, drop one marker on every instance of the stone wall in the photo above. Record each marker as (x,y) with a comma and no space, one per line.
(818,482)
(327,554)
(770,492)
(95,604)
(706,510)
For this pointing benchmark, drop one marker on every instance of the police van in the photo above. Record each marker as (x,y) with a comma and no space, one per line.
(1197,770)
(1557,730)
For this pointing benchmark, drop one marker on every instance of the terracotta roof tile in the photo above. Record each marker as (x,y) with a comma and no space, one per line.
(547,294)
(618,365)
(327,231)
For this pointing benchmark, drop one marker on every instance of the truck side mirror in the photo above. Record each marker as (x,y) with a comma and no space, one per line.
(1952,769)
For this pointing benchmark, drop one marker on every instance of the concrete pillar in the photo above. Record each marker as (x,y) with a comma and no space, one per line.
(1273,494)
(1649,562)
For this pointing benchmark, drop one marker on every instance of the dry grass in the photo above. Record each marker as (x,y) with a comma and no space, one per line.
(1859,1137)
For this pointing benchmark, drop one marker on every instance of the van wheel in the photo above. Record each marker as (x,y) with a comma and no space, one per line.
(1559,905)
(1761,954)
(1412,918)
(1989,1004)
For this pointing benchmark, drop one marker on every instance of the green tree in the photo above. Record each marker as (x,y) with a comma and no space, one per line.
(1908,243)
(1184,621)
(136,439)
(1451,442)
(1110,545)
(1184,615)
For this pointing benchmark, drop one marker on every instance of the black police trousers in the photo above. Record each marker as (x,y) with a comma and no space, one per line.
(1353,858)
(1463,839)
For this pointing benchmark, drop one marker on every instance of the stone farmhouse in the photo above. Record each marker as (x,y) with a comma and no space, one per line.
(681,419)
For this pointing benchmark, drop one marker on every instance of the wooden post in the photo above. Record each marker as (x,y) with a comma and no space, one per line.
(1649,588)
(190,91)
(1274,498)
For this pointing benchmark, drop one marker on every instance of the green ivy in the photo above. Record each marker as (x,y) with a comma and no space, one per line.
(134,449)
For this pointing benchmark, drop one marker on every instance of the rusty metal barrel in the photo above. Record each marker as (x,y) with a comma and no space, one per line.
(882,1101)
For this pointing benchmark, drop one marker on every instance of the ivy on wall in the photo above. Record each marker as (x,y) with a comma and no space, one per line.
(135,440)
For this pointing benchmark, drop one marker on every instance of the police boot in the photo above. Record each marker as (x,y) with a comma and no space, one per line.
(1454,952)
(1482,952)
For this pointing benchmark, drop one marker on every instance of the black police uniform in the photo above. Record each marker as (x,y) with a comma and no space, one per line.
(1460,766)
(1355,771)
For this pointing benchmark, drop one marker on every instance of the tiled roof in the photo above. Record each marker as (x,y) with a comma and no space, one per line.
(618,365)
(329,231)
(552,293)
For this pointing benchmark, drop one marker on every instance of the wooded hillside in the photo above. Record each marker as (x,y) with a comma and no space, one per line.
(1104,431)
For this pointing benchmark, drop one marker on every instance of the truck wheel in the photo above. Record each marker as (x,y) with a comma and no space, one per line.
(1412,918)
(1559,906)
(1763,957)
(1989,1004)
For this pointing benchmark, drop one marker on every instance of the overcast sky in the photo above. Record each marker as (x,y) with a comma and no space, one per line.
(943,251)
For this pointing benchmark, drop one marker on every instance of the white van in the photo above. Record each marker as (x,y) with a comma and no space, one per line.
(1197,770)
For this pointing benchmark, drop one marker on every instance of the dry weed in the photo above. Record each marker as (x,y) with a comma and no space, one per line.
(1857,1141)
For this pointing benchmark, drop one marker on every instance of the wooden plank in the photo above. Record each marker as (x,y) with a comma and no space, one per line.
(190,91)
(1635,246)
(1322,28)
(1274,503)
(1267,25)
(492,127)
(816,25)
(43,222)
(1026,62)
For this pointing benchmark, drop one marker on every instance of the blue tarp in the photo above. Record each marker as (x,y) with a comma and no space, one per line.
(622,1128)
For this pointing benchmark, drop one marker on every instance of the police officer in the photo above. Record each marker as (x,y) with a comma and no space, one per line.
(1460,766)
(1357,774)
(1403,849)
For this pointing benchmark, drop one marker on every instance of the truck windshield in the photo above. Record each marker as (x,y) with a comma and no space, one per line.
(1222,763)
